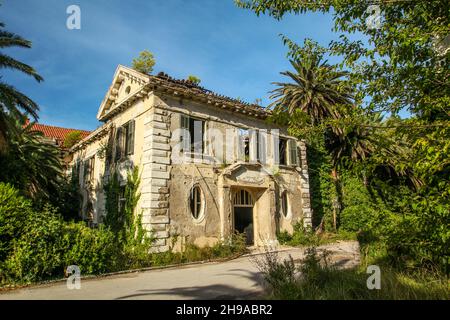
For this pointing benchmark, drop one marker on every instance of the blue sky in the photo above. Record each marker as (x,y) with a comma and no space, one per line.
(234,52)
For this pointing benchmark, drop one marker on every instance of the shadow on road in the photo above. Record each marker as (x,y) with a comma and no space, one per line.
(208,292)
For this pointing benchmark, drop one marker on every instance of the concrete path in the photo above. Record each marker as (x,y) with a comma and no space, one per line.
(236,279)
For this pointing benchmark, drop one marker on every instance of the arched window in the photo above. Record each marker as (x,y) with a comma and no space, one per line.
(243,198)
(196,202)
(127,90)
(284,203)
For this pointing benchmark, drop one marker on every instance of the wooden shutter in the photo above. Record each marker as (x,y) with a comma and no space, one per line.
(130,137)
(119,142)
(184,136)
(86,168)
(262,146)
(293,153)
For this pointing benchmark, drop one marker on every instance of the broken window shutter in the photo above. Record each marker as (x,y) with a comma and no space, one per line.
(197,135)
(85,169)
(262,146)
(253,145)
(184,135)
(119,143)
(130,138)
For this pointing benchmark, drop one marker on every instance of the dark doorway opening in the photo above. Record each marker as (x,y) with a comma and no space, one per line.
(243,222)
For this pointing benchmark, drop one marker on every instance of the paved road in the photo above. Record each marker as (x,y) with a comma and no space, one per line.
(236,279)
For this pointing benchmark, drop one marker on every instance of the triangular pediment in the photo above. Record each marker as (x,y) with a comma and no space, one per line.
(126,82)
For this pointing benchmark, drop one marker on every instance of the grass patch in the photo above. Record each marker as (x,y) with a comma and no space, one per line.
(316,279)
(303,237)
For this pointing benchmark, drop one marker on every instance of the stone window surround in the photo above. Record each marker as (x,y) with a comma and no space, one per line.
(202,215)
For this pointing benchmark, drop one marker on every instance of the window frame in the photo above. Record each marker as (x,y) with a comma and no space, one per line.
(124,140)
(129,137)
(285,206)
(196,205)
(282,152)
(188,123)
(121,198)
(89,170)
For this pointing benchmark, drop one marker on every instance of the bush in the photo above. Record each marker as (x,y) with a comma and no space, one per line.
(14,212)
(357,218)
(48,246)
(72,138)
(39,252)
(92,250)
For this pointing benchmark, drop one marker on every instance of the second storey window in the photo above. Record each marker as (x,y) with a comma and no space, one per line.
(293,156)
(244,145)
(282,151)
(89,166)
(192,136)
(125,140)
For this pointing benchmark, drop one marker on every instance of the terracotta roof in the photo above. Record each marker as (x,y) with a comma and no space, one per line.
(57,133)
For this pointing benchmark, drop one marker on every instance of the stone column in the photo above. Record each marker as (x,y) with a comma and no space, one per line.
(156,176)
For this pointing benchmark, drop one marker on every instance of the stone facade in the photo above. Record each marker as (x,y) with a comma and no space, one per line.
(277,195)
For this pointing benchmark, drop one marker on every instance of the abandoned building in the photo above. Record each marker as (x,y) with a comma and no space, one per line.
(209,165)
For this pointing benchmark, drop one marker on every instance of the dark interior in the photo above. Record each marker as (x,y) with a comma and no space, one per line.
(243,222)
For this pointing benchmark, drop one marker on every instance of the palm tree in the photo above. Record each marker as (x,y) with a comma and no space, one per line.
(30,164)
(357,139)
(318,94)
(13,102)
(318,90)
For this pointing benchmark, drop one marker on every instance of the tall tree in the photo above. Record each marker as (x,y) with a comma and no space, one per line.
(405,61)
(30,164)
(316,90)
(13,102)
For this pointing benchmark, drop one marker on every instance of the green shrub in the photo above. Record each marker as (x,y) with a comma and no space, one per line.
(15,210)
(92,250)
(357,217)
(48,245)
(39,252)
(72,138)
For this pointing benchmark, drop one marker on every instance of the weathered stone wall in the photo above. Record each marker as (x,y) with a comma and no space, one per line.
(166,186)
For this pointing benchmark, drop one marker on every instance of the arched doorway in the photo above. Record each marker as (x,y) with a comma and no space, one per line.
(243,214)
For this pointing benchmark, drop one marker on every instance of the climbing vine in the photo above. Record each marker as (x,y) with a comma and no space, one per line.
(120,205)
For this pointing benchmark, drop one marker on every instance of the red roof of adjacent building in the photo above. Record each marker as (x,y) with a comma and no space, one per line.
(57,133)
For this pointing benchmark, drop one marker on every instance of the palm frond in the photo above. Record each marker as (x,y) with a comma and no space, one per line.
(11,63)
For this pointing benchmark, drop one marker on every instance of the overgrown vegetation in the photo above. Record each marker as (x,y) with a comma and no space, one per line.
(381,176)
(37,244)
(71,139)
(144,63)
(194,79)
(303,237)
(316,278)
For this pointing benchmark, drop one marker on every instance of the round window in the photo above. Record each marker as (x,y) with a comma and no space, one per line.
(127,90)
(284,203)
(196,202)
